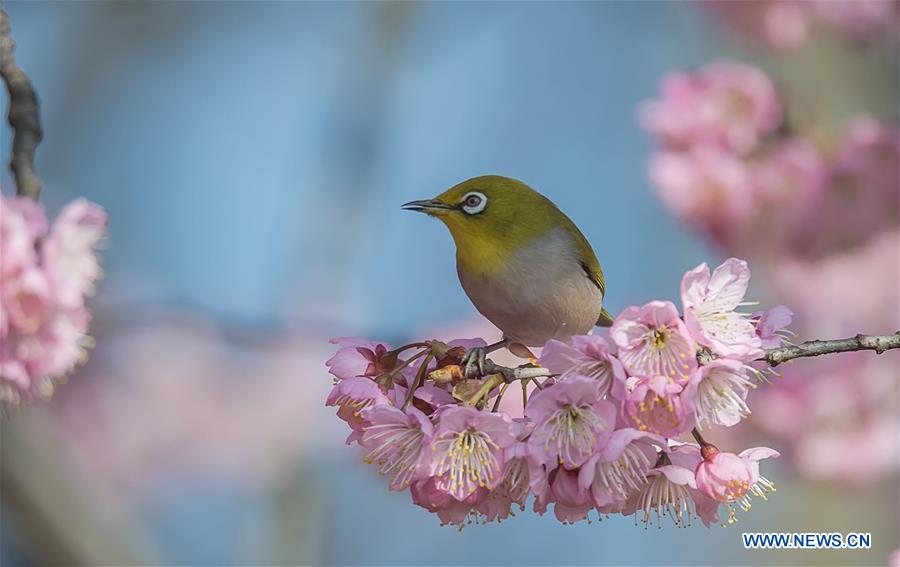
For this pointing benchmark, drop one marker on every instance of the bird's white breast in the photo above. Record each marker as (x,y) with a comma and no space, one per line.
(541,293)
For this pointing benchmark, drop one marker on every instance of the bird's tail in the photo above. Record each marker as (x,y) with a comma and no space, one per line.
(605,320)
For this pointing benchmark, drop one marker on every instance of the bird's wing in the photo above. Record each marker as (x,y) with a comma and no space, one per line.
(594,272)
(595,275)
(589,264)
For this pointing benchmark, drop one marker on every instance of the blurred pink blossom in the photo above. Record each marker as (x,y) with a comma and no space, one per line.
(871,271)
(44,277)
(858,18)
(171,396)
(725,103)
(706,187)
(828,406)
(788,24)
(863,196)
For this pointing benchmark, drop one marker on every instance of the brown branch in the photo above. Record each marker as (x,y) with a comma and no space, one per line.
(24,116)
(773,356)
(512,374)
(878,343)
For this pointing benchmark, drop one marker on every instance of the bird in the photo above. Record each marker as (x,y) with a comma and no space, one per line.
(522,262)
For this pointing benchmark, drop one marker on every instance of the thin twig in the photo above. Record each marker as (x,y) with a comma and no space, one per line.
(420,375)
(24,116)
(500,397)
(513,374)
(773,356)
(878,343)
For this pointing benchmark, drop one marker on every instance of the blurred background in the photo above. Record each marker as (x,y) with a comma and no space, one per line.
(253,158)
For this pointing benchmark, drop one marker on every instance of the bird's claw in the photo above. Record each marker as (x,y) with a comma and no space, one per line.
(473,362)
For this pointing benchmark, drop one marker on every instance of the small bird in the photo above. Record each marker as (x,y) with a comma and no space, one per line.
(522,262)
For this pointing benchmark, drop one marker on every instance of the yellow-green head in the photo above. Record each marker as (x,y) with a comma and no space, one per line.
(490,217)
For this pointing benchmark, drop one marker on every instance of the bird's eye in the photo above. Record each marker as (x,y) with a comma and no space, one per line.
(474,202)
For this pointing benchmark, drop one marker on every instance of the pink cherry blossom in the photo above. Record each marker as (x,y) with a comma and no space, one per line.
(619,467)
(571,502)
(352,396)
(707,187)
(771,325)
(22,221)
(520,473)
(779,24)
(729,478)
(687,456)
(68,251)
(718,392)
(396,440)
(587,355)
(569,419)
(807,284)
(725,103)
(654,404)
(357,357)
(28,300)
(863,199)
(653,341)
(598,432)
(724,477)
(857,18)
(710,309)
(43,280)
(467,449)
(668,492)
(790,186)
(430,495)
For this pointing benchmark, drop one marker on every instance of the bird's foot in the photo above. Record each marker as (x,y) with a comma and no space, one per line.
(473,362)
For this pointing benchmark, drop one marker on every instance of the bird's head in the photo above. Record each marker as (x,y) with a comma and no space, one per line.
(490,216)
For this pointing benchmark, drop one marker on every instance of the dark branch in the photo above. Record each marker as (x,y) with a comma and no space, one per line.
(878,343)
(24,116)
(773,356)
(513,374)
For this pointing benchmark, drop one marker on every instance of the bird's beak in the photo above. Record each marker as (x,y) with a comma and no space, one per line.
(428,206)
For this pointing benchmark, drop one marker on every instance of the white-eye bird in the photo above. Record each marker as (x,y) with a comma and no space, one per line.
(522,262)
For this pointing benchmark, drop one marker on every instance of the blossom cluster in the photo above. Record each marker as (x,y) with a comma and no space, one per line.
(788,24)
(599,433)
(45,272)
(817,212)
(729,167)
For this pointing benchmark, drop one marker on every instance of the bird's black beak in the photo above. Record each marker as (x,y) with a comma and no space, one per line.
(428,206)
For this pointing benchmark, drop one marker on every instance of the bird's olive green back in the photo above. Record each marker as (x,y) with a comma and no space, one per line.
(515,214)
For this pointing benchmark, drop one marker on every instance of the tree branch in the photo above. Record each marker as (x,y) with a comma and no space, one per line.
(514,374)
(878,343)
(772,356)
(24,116)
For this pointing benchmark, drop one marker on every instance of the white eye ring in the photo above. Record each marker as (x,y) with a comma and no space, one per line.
(474,202)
